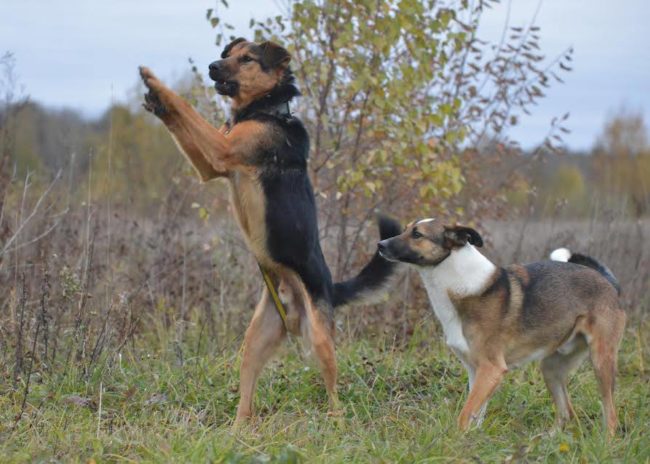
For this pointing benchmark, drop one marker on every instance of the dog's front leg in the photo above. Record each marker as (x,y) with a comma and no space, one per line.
(190,131)
(487,379)
(471,380)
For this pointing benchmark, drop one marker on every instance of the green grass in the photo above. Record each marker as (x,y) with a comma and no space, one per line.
(401,406)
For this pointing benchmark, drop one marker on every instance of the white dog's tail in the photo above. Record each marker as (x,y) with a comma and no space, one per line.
(565,255)
(561,254)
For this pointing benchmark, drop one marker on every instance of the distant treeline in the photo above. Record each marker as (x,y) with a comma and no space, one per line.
(123,152)
(614,174)
(127,153)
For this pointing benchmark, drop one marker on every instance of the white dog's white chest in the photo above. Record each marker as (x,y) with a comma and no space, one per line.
(451,324)
(446,313)
(465,273)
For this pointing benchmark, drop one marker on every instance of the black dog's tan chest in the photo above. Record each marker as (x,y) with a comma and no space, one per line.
(249,205)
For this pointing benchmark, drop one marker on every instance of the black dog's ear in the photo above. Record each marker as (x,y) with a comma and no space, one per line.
(273,55)
(226,51)
(459,236)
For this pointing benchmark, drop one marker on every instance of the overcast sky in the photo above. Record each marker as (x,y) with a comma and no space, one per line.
(83,54)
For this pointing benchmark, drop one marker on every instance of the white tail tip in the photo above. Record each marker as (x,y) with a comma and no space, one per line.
(561,254)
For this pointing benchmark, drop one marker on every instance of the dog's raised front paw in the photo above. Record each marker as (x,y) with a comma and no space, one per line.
(152,100)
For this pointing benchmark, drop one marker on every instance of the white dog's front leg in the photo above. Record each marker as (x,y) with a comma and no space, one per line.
(471,376)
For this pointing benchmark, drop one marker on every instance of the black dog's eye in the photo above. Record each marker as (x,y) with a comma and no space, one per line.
(246,59)
(416,234)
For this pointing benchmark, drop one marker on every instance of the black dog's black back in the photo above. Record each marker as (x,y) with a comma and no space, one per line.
(291,217)
(291,214)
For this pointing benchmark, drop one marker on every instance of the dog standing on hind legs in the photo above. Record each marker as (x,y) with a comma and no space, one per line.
(262,152)
(496,318)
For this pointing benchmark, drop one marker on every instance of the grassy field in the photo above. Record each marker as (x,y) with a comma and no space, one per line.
(175,403)
(119,342)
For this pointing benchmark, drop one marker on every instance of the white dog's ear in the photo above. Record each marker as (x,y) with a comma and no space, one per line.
(459,236)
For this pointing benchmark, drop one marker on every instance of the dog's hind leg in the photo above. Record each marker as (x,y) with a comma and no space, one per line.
(263,336)
(606,333)
(320,332)
(556,369)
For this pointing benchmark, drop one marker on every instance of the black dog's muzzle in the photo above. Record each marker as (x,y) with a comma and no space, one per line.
(219,74)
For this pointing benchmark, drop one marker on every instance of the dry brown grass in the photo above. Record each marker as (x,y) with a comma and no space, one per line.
(95,282)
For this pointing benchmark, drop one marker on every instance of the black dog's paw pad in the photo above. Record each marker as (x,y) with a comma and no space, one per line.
(152,101)
(153,104)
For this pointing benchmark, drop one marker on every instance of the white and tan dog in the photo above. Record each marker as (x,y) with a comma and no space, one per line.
(498,318)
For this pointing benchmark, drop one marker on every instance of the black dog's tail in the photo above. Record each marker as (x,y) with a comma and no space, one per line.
(563,254)
(369,284)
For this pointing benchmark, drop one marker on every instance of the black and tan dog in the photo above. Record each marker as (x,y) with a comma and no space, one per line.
(262,151)
(497,318)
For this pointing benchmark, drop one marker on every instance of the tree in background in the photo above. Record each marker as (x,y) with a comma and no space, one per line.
(625,134)
(10,106)
(622,160)
(566,190)
(393,92)
(134,160)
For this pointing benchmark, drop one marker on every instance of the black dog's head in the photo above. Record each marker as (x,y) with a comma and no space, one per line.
(427,243)
(248,70)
